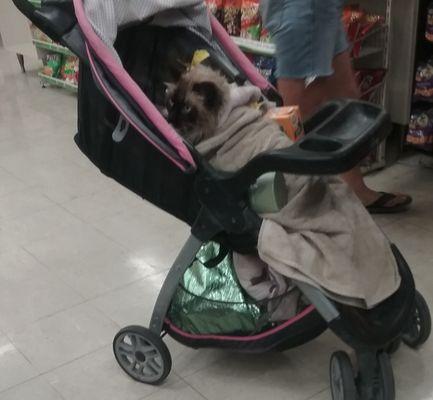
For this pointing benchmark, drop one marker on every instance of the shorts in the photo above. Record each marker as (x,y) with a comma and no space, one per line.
(308,34)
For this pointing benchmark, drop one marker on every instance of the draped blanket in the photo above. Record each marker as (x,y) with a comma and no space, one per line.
(323,236)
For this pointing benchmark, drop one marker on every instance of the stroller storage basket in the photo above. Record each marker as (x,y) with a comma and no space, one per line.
(210,306)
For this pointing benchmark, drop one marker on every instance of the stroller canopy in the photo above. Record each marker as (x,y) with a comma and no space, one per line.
(107,16)
(100,21)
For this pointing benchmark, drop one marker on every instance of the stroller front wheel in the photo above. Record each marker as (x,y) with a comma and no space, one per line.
(343,386)
(142,355)
(419,329)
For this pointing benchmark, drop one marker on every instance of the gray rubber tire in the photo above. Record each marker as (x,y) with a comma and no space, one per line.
(343,386)
(393,347)
(387,377)
(420,328)
(142,355)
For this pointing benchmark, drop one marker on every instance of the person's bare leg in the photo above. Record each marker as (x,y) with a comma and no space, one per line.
(342,84)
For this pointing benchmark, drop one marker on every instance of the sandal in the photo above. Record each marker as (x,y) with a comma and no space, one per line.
(380,205)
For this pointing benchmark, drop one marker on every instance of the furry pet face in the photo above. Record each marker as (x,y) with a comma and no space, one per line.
(194,103)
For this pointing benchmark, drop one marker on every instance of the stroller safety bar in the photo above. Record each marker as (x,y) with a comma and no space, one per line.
(336,139)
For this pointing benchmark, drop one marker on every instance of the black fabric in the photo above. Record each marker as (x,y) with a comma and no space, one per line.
(300,332)
(385,322)
(134,162)
(152,56)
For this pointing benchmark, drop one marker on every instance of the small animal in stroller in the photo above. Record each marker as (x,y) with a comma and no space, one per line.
(195,102)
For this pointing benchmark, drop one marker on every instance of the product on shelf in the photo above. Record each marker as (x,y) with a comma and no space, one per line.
(429,28)
(424,81)
(421,129)
(216,7)
(250,19)
(52,63)
(69,70)
(232,12)
(358,23)
(369,80)
(265,35)
(266,66)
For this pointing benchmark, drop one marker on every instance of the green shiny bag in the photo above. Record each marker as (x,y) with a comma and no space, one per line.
(210,300)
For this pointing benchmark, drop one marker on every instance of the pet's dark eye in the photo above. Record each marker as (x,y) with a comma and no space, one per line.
(187,109)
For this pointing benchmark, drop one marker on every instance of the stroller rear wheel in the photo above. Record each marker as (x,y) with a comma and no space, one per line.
(343,386)
(419,329)
(142,355)
(387,383)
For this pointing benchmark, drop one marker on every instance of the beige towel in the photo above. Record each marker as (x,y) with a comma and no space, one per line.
(323,236)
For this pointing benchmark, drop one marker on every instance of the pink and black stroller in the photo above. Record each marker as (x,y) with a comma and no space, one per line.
(127,51)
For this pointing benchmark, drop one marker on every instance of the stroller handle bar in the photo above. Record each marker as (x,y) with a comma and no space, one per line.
(337,138)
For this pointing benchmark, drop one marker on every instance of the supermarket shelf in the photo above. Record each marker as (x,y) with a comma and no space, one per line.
(368,51)
(381,28)
(57,82)
(254,46)
(268,49)
(41,44)
(36,3)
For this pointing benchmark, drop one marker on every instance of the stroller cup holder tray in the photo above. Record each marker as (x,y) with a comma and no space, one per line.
(336,139)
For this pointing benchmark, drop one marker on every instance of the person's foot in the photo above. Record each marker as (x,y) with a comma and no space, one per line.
(388,203)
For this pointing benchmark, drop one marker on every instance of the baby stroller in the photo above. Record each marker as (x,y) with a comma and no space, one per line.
(122,132)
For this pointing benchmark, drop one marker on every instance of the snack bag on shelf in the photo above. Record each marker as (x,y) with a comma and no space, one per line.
(358,24)
(69,70)
(289,118)
(265,35)
(369,21)
(52,63)
(421,130)
(352,16)
(424,81)
(216,7)
(266,66)
(369,81)
(429,27)
(250,19)
(232,17)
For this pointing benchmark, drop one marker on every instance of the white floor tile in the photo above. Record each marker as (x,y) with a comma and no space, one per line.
(9,183)
(177,391)
(28,228)
(150,233)
(29,292)
(23,203)
(71,242)
(269,376)
(35,389)
(64,337)
(98,377)
(14,368)
(100,272)
(132,304)
(103,204)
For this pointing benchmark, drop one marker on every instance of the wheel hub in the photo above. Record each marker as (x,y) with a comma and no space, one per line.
(140,357)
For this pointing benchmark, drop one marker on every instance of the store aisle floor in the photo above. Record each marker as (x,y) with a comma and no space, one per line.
(81,257)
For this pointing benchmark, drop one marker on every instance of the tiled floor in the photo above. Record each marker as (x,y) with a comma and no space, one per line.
(80,257)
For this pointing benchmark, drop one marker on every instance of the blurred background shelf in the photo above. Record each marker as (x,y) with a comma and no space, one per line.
(254,46)
(48,80)
(41,44)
